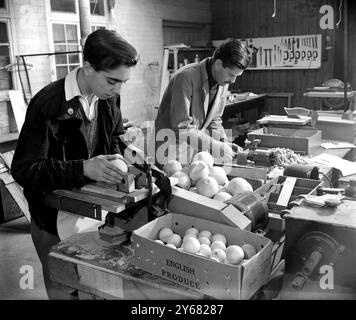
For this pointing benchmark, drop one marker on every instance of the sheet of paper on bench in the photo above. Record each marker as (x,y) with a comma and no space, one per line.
(337,145)
(346,167)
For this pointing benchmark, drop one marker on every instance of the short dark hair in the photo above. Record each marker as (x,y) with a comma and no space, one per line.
(233,54)
(106,50)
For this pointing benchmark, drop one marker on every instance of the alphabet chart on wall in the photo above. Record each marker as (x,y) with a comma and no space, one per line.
(287,52)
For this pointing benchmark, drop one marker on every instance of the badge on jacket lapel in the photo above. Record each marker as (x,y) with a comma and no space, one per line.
(70,111)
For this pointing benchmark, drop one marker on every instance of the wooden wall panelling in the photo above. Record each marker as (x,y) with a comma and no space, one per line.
(252,19)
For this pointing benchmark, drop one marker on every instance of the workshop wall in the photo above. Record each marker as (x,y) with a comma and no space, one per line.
(31,37)
(140,22)
(253,19)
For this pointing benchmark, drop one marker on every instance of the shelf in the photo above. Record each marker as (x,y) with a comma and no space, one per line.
(177,55)
(320,94)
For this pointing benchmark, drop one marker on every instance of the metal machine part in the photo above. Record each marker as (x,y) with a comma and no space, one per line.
(349,191)
(315,249)
(260,157)
(302,171)
(318,237)
(135,215)
(253,206)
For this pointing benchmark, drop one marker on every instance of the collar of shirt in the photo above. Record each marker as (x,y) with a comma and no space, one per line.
(209,65)
(72,90)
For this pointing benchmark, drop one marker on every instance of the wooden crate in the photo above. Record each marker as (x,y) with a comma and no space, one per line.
(335,128)
(304,140)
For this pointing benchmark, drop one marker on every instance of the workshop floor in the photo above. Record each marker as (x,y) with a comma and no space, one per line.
(17,258)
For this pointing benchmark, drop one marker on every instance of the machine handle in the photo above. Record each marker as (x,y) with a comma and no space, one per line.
(312,262)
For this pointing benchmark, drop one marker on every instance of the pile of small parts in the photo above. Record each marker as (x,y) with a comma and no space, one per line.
(286,156)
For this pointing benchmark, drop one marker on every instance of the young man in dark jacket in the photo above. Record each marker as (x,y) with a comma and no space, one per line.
(71,133)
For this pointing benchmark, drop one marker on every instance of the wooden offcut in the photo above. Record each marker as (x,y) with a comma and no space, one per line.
(287,191)
(107,205)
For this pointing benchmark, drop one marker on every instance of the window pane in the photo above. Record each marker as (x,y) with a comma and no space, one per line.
(71,32)
(60,48)
(73,58)
(61,72)
(97,7)
(2,4)
(94,28)
(3,33)
(58,33)
(63,5)
(62,58)
(72,48)
(4,54)
(73,67)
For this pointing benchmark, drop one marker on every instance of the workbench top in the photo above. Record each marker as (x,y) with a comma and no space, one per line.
(103,270)
(96,267)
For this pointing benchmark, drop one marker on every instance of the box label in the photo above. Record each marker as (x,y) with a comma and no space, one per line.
(179,278)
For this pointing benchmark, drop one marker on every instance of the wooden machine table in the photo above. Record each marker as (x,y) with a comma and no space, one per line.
(101,270)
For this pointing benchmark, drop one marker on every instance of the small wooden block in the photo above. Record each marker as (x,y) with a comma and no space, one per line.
(287,190)
(128,184)
(141,180)
(103,191)
(141,194)
(77,197)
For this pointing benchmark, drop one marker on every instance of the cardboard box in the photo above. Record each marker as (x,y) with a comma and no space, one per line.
(304,140)
(218,280)
(195,205)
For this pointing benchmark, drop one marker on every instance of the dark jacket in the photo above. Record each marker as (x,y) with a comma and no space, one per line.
(52,146)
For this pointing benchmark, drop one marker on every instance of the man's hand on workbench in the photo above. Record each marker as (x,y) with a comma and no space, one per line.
(101,169)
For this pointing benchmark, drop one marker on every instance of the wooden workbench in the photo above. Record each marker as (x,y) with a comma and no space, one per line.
(98,269)
(332,174)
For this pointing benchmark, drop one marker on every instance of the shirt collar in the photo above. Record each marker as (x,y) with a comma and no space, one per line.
(71,87)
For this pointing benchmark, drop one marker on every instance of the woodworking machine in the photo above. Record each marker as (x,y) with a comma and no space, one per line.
(322,236)
(259,157)
(147,193)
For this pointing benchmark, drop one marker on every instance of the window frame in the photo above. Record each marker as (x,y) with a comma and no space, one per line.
(101,20)
(98,26)
(105,10)
(9,45)
(76,5)
(52,45)
(7,15)
(56,17)
(6,9)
